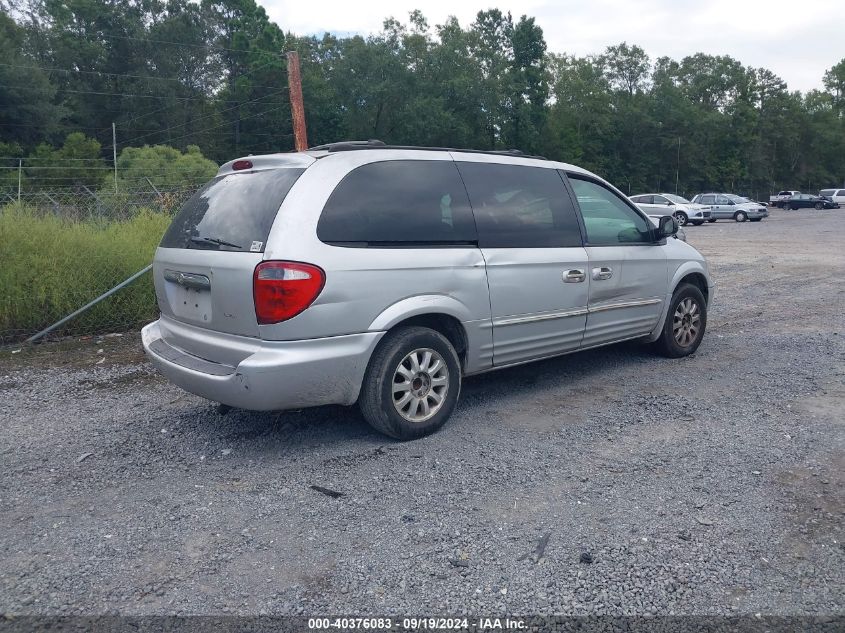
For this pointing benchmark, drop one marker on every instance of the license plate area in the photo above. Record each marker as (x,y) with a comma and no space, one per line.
(189,304)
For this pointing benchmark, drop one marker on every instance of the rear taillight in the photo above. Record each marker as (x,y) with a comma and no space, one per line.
(282,290)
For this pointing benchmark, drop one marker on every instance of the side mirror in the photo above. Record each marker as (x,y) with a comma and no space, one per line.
(667,226)
(731,202)
(669,203)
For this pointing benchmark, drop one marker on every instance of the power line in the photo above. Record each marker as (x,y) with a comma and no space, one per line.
(252,116)
(246,74)
(126,94)
(186,44)
(131,140)
(103,73)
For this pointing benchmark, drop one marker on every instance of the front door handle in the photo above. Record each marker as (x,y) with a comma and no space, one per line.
(574,276)
(604,272)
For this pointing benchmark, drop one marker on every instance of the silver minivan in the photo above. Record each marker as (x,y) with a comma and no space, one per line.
(359,272)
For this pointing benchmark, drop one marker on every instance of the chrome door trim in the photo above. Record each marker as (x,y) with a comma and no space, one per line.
(624,304)
(188,280)
(487,370)
(531,318)
(574,276)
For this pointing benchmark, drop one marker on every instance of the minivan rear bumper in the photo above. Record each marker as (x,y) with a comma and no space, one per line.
(277,375)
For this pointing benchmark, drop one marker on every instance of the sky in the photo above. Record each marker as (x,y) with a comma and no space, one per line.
(797,41)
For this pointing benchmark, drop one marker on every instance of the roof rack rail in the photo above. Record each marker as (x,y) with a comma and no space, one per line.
(347,146)
(340,145)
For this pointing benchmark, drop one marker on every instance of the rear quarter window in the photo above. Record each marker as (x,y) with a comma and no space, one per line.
(232,212)
(399,203)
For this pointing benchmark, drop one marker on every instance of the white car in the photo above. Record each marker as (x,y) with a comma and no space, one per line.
(834,195)
(727,206)
(685,212)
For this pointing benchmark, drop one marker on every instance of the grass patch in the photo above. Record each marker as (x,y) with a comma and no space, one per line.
(50,267)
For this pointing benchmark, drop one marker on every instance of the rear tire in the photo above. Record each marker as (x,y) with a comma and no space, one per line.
(740,216)
(794,207)
(711,220)
(756,219)
(412,383)
(685,323)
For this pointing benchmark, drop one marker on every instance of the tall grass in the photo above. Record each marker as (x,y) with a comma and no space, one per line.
(49,267)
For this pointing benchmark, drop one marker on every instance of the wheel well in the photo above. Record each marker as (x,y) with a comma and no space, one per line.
(447,325)
(699,281)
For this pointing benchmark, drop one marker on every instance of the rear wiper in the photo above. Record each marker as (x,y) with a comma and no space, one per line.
(213,240)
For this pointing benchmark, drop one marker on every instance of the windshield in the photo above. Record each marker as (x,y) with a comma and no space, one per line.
(676,199)
(232,212)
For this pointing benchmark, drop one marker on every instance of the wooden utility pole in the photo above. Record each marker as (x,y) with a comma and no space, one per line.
(297,108)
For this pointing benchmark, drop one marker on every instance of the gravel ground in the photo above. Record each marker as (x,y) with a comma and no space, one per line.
(611,481)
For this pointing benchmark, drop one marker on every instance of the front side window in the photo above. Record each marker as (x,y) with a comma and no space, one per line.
(642,199)
(707,199)
(607,218)
(660,200)
(399,203)
(517,206)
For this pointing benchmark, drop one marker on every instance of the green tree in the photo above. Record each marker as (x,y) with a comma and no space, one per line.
(27,109)
(162,167)
(76,163)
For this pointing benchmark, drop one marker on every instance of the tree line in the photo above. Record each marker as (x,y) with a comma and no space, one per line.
(207,79)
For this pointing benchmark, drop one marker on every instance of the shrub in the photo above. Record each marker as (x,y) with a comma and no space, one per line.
(51,267)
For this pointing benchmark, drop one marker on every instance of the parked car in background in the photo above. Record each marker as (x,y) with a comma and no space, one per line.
(834,195)
(681,234)
(684,211)
(809,201)
(362,273)
(727,206)
(781,197)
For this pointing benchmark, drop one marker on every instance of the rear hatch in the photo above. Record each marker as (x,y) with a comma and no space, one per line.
(204,265)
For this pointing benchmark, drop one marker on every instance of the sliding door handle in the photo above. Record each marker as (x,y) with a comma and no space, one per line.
(574,276)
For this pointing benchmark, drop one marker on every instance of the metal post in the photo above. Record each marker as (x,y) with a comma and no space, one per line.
(114,153)
(20,169)
(678,166)
(88,305)
(99,202)
(297,108)
(153,186)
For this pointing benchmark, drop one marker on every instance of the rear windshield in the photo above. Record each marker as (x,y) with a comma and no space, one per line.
(232,212)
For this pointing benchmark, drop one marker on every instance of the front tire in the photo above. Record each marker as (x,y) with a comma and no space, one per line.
(819,206)
(682,218)
(740,216)
(756,219)
(412,383)
(685,323)
(697,222)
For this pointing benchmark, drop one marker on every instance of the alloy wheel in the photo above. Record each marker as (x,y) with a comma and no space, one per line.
(687,322)
(420,385)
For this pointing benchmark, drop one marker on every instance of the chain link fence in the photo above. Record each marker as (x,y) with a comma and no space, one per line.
(60,249)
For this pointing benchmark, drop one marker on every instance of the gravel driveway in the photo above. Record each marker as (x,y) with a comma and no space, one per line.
(611,481)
